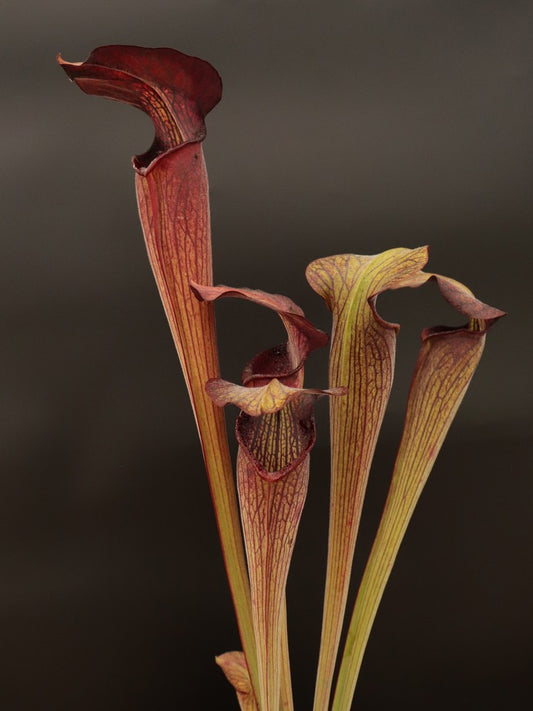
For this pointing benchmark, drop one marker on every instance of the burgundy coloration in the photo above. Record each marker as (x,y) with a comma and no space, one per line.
(174,89)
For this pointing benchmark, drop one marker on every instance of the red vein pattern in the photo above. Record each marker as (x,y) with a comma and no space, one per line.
(286,361)
(446,363)
(275,431)
(172,193)
(362,360)
(261,399)
(174,89)
(271,513)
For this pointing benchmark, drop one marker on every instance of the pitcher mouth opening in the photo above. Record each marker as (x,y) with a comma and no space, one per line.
(175,90)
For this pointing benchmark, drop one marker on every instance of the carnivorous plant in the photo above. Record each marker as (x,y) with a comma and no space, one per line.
(258,509)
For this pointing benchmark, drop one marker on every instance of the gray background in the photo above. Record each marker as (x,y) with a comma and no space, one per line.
(348,126)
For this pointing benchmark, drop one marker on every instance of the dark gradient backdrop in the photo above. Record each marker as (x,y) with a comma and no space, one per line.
(345,126)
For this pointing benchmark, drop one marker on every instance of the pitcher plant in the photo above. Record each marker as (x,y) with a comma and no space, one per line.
(258,503)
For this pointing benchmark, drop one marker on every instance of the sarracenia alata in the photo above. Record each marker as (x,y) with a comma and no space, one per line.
(258,501)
